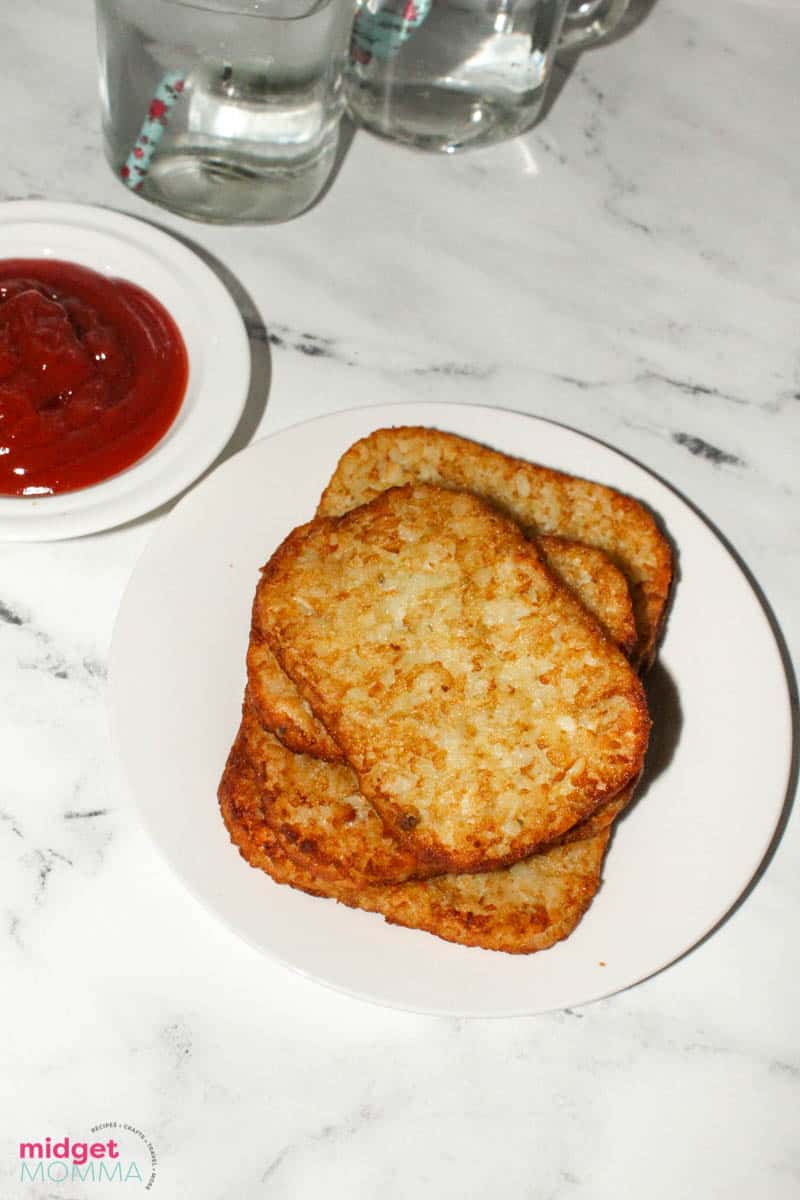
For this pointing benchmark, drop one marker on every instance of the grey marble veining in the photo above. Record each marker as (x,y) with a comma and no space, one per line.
(628,268)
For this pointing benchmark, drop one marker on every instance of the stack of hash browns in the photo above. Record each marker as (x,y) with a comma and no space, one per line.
(443,714)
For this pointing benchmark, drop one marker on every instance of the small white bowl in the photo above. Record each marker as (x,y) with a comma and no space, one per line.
(216,343)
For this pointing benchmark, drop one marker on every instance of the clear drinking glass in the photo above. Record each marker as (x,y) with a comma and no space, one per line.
(223,110)
(446,74)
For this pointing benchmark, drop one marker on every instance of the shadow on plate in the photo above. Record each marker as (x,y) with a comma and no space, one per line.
(665,702)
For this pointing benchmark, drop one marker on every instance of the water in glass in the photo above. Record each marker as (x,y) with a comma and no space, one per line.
(253,96)
(445,74)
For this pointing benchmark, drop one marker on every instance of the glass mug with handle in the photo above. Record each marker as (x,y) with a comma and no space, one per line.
(448,74)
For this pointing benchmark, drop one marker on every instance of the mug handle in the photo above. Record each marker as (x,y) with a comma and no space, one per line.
(589,20)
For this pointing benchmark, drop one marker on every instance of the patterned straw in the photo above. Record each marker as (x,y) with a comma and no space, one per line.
(381,34)
(138,161)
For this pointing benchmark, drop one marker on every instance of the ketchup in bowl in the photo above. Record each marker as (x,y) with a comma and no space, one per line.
(92,374)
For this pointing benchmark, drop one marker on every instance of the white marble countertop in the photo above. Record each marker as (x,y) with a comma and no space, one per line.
(628,268)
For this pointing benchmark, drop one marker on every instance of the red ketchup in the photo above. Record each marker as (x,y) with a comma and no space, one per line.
(92,374)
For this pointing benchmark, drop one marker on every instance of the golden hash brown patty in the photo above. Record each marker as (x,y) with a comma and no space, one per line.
(587,572)
(327,826)
(543,501)
(483,710)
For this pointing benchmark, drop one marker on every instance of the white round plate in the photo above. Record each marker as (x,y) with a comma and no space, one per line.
(679,859)
(216,342)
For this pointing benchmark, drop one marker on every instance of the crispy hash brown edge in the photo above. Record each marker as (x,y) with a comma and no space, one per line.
(280,707)
(323,821)
(349,845)
(577,508)
(441,907)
